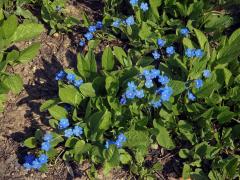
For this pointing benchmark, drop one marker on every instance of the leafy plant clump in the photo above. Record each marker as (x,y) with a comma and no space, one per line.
(11,32)
(181,95)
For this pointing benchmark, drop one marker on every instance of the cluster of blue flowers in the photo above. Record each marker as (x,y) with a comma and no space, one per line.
(150,76)
(191,53)
(89,35)
(70,77)
(198,84)
(76,131)
(46,144)
(119,142)
(143,5)
(31,162)
(170,50)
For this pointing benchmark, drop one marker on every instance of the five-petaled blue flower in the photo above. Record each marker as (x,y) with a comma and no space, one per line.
(140,94)
(133,2)
(88,36)
(60,75)
(36,164)
(184,32)
(163,80)
(144,6)
(156,104)
(130,94)
(130,21)
(45,146)
(190,53)
(70,77)
(82,43)
(165,93)
(198,53)
(161,42)
(68,133)
(77,131)
(116,23)
(156,55)
(206,73)
(47,137)
(170,50)
(123,100)
(149,83)
(78,83)
(43,158)
(198,83)
(63,123)
(99,25)
(92,29)
(191,96)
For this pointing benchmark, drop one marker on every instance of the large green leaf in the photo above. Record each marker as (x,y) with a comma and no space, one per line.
(58,112)
(14,83)
(87,90)
(107,59)
(163,137)
(69,94)
(29,53)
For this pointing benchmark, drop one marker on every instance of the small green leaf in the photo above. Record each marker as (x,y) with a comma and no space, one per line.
(49,103)
(29,53)
(69,94)
(58,112)
(30,142)
(14,83)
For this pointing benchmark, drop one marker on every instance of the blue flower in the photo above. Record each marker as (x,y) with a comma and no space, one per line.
(27,166)
(184,31)
(161,42)
(165,93)
(140,94)
(47,137)
(130,94)
(29,158)
(121,137)
(144,6)
(156,104)
(108,143)
(132,86)
(63,123)
(68,133)
(82,43)
(92,29)
(88,36)
(170,50)
(191,96)
(116,23)
(154,73)
(130,21)
(149,83)
(36,164)
(156,55)
(190,53)
(198,53)
(198,83)
(206,73)
(46,146)
(99,25)
(78,83)
(43,158)
(146,73)
(77,131)
(123,100)
(133,2)
(70,77)
(163,80)
(60,75)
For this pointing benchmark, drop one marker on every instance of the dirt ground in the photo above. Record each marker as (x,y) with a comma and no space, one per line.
(22,116)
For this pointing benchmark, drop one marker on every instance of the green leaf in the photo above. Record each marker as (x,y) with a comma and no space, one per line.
(9,26)
(29,53)
(177,86)
(30,142)
(163,137)
(58,112)
(49,103)
(225,116)
(155,4)
(187,130)
(91,61)
(112,85)
(125,157)
(70,143)
(120,54)
(145,31)
(137,138)
(27,31)
(69,94)
(186,171)
(107,59)
(14,83)
(87,90)
(202,39)
(83,66)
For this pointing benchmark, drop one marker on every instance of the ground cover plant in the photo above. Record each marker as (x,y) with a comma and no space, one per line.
(12,32)
(170,85)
